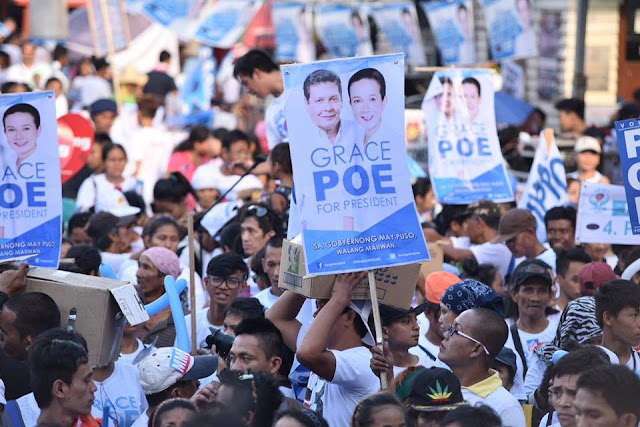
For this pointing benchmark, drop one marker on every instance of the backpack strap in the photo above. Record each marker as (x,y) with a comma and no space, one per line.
(518,344)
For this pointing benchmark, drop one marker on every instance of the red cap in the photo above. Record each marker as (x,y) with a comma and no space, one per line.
(437,284)
(593,275)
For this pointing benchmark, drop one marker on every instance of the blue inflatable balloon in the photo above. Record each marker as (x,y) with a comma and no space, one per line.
(107,271)
(163,302)
(182,337)
(559,354)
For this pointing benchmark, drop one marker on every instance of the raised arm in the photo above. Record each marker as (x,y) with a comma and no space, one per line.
(283,314)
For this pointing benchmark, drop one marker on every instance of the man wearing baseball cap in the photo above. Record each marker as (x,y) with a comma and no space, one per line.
(593,275)
(518,230)
(168,373)
(588,154)
(481,224)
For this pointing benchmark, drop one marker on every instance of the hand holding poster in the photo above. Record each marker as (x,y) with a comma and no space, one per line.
(510,28)
(226,21)
(294,32)
(452,26)
(603,216)
(343,30)
(30,188)
(399,24)
(547,183)
(628,133)
(465,161)
(353,192)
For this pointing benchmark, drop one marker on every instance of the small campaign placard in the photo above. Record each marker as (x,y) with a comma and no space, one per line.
(628,133)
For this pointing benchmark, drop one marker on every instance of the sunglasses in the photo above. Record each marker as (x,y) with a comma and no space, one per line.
(257,210)
(452,330)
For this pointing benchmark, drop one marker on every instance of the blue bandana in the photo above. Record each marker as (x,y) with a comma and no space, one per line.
(470,294)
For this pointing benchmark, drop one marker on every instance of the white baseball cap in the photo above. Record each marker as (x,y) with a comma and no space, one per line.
(363,309)
(114,202)
(166,366)
(587,143)
(219,216)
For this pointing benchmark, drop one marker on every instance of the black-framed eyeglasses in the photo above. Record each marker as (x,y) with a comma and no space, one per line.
(232,282)
(452,330)
(257,210)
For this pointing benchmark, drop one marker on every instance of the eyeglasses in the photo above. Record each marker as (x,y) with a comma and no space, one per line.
(232,282)
(452,330)
(257,210)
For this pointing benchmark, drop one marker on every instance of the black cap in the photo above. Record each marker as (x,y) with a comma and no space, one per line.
(531,268)
(388,314)
(508,358)
(431,390)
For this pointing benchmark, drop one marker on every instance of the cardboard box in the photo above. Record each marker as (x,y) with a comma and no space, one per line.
(102,307)
(395,285)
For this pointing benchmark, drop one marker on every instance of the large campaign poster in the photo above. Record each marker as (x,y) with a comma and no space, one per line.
(226,21)
(353,191)
(294,32)
(182,16)
(343,30)
(628,133)
(465,161)
(30,187)
(114,12)
(452,26)
(510,28)
(603,216)
(547,183)
(399,25)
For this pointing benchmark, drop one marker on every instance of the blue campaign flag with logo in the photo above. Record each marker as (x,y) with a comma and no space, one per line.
(465,160)
(628,133)
(353,188)
(30,183)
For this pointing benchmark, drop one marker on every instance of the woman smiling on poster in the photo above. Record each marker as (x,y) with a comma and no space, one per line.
(367,96)
(22,128)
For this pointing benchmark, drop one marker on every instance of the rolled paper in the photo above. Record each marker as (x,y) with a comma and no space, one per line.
(182,337)
(163,302)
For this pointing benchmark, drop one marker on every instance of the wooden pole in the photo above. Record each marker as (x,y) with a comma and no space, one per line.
(192,282)
(384,383)
(112,51)
(548,136)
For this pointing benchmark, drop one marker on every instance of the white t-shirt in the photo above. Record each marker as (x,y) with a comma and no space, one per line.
(423,360)
(530,342)
(595,179)
(95,185)
(426,351)
(152,148)
(502,402)
(129,358)
(115,261)
(633,363)
(224,182)
(535,374)
(496,254)
(142,421)
(549,256)
(554,421)
(202,327)
(123,393)
(352,381)
(3,400)
(276,122)
(266,298)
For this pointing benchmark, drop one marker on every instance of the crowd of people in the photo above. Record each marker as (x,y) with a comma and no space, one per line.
(504,335)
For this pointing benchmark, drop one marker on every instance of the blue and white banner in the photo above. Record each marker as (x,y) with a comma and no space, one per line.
(547,183)
(628,133)
(182,16)
(226,21)
(399,25)
(452,26)
(30,187)
(603,216)
(343,30)
(353,190)
(199,86)
(510,28)
(293,23)
(118,24)
(465,161)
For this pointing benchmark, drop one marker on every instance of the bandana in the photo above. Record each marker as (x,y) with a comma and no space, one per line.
(165,260)
(470,294)
(577,325)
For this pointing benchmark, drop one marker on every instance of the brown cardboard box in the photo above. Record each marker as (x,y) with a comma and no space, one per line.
(102,307)
(395,285)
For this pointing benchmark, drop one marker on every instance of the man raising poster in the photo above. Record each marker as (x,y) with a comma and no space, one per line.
(323,92)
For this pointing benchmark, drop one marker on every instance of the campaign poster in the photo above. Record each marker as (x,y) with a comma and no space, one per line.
(603,216)
(199,85)
(343,30)
(510,28)
(628,133)
(546,185)
(226,21)
(353,189)
(512,78)
(453,29)
(113,11)
(293,23)
(182,16)
(30,189)
(465,161)
(398,23)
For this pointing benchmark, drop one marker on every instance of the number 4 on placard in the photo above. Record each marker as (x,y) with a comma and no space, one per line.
(608,228)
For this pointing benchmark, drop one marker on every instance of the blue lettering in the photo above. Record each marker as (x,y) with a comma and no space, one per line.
(461,145)
(483,147)
(444,146)
(356,153)
(338,151)
(9,203)
(325,159)
(384,150)
(35,189)
(323,180)
(348,180)
(8,172)
(556,177)
(23,173)
(366,151)
(40,170)
(378,179)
